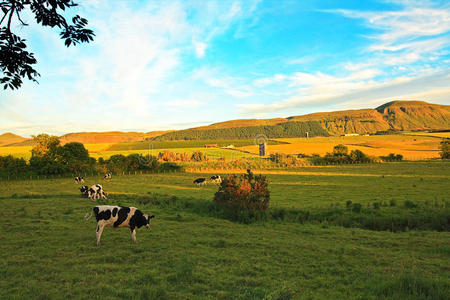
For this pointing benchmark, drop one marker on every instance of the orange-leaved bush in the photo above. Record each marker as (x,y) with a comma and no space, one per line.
(243,197)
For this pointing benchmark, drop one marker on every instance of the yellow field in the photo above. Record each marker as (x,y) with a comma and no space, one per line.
(434,134)
(411,147)
(17,151)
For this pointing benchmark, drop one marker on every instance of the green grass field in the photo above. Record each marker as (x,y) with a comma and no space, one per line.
(212,153)
(48,250)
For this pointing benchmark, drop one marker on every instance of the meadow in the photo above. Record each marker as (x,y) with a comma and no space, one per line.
(412,147)
(191,252)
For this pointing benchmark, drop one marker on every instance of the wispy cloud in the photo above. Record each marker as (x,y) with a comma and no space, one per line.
(398,62)
(358,92)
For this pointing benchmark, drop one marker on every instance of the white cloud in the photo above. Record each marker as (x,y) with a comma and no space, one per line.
(200,49)
(349,89)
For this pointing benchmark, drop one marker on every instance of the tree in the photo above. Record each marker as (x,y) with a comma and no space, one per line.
(74,157)
(15,61)
(340,150)
(445,149)
(45,146)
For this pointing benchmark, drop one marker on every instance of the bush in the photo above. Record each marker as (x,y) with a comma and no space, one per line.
(392,157)
(199,156)
(410,204)
(445,149)
(356,207)
(244,198)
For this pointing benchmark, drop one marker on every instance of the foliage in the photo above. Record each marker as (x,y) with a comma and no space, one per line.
(340,150)
(134,162)
(445,149)
(172,144)
(45,146)
(74,157)
(287,129)
(285,160)
(199,156)
(340,156)
(15,61)
(10,165)
(243,197)
(392,157)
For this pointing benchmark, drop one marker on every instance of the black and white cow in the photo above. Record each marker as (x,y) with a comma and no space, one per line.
(84,190)
(200,181)
(96,191)
(216,179)
(119,216)
(107,176)
(79,179)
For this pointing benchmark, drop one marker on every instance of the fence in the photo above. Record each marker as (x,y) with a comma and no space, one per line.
(85,175)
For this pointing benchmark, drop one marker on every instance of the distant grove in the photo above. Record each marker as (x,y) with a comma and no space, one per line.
(284,130)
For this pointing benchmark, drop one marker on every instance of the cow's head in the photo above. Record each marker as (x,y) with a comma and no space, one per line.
(148,220)
(139,219)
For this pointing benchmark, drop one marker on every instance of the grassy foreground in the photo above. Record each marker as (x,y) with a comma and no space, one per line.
(48,250)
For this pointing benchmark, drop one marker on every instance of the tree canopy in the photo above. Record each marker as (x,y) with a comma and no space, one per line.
(15,61)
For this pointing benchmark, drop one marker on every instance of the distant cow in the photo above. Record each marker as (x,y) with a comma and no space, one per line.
(95,192)
(200,181)
(119,216)
(84,190)
(107,176)
(79,179)
(216,179)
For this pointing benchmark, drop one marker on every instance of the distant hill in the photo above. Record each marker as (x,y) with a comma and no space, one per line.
(395,115)
(108,137)
(10,138)
(282,130)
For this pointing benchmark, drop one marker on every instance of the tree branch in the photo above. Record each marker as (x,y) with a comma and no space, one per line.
(4,16)
(11,13)
(18,16)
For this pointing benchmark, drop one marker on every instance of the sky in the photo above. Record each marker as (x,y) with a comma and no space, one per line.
(158,65)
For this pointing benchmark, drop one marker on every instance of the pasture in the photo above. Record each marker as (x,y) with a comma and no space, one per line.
(48,250)
(412,147)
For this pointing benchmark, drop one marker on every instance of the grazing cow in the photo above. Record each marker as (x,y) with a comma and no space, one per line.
(79,179)
(119,216)
(84,190)
(200,181)
(107,176)
(216,179)
(95,192)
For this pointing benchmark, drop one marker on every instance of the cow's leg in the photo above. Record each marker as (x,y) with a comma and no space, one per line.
(133,235)
(99,232)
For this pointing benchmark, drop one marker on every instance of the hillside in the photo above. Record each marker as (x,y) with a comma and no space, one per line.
(10,138)
(395,115)
(108,137)
(285,129)
(415,115)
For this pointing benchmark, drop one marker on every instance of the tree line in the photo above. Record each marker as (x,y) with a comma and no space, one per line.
(283,130)
(48,157)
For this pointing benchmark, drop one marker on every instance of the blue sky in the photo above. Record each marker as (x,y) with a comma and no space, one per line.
(177,64)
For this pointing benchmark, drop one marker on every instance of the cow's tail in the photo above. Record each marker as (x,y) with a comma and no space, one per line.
(87,216)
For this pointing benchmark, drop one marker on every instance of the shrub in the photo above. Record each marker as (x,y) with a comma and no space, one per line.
(340,150)
(410,204)
(445,149)
(199,156)
(359,156)
(392,157)
(356,207)
(243,198)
